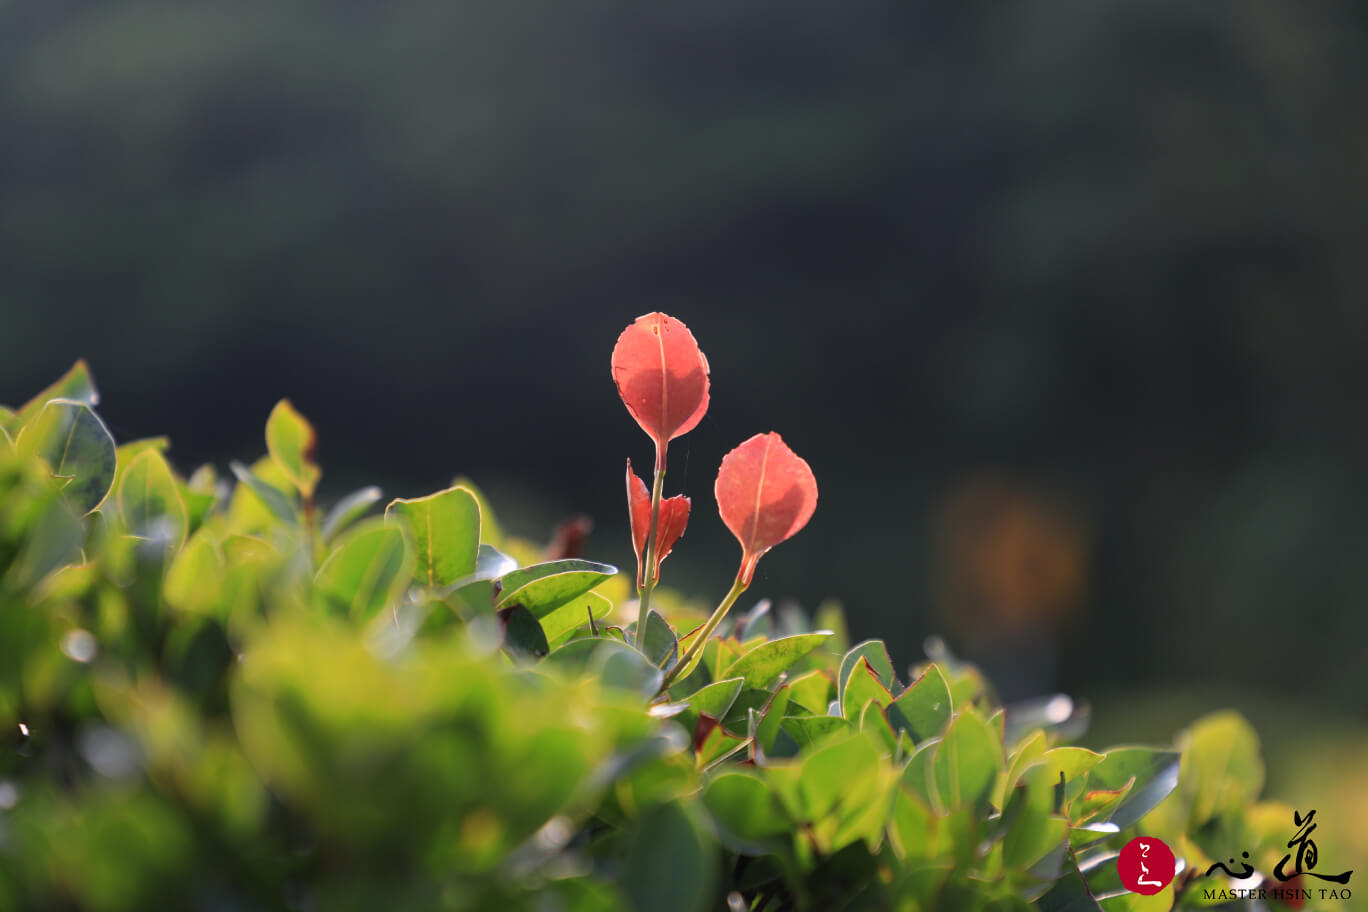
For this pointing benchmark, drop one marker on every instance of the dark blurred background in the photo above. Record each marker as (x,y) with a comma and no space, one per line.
(1064,303)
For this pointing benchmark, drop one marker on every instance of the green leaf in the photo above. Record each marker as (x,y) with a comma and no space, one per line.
(660,643)
(276,501)
(1222,768)
(967,760)
(1069,894)
(615,664)
(810,730)
(911,826)
(348,510)
(876,654)
(573,615)
(76,385)
(52,539)
(446,534)
(737,718)
(715,699)
(873,720)
(523,636)
(1035,830)
(194,579)
(1155,772)
(861,687)
(671,866)
(490,531)
(770,720)
(150,500)
(812,691)
(761,665)
(365,572)
(923,710)
(77,448)
(127,452)
(832,775)
(719,747)
(291,441)
(543,587)
(747,815)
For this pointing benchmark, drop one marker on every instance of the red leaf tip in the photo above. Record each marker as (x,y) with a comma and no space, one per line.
(765,493)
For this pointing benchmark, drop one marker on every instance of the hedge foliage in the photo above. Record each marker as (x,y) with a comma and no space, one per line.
(217,694)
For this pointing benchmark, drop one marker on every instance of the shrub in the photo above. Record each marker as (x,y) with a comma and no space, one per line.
(216,694)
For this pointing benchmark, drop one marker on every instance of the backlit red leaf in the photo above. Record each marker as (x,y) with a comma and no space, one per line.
(662,378)
(674,517)
(765,493)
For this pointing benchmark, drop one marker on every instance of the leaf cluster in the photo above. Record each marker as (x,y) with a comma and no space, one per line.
(216,693)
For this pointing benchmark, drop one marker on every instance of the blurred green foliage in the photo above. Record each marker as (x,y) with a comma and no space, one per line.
(210,702)
(1106,249)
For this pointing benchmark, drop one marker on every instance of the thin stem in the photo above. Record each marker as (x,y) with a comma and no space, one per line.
(689,661)
(644,597)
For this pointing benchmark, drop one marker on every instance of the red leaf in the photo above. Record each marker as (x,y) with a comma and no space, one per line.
(765,493)
(639,514)
(674,516)
(662,378)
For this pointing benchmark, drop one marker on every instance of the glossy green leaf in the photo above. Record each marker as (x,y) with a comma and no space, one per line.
(770,719)
(747,815)
(276,501)
(151,502)
(876,654)
(348,510)
(1069,894)
(967,760)
(810,730)
(873,721)
(491,532)
(812,691)
(76,385)
(573,615)
(445,529)
(737,718)
(291,441)
(543,587)
(861,687)
(832,775)
(762,664)
(715,700)
(76,446)
(1034,830)
(923,709)
(365,572)
(1155,772)
(125,453)
(523,636)
(660,643)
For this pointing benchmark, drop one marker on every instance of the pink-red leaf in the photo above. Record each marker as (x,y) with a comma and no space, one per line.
(765,493)
(674,516)
(662,377)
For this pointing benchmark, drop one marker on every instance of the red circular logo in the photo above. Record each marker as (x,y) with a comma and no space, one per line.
(1146,865)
